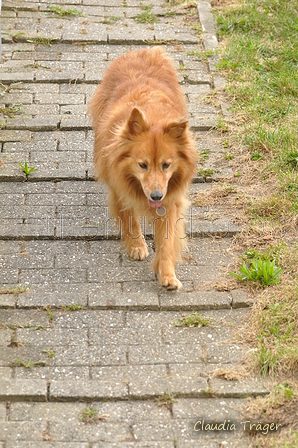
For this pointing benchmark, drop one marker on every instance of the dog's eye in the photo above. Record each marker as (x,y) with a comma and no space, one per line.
(143,166)
(165,166)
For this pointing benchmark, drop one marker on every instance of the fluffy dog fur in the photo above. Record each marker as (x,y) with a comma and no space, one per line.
(143,145)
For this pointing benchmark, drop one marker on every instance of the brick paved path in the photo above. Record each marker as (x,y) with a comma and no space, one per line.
(120,350)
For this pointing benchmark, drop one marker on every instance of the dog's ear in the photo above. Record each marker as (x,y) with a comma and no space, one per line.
(136,123)
(176,128)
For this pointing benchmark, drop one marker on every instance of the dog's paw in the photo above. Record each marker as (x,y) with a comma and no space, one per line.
(139,252)
(170,282)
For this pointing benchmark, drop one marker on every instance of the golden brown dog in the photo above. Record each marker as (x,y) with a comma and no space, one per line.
(144,152)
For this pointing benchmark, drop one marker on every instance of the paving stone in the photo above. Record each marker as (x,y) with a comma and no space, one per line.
(15,136)
(25,146)
(110,295)
(62,295)
(33,444)
(85,356)
(194,300)
(87,390)
(5,337)
(7,300)
(13,432)
(58,373)
(12,389)
(2,411)
(24,260)
(245,388)
(153,354)
(52,336)
(104,431)
(48,276)
(12,356)
(34,124)
(6,372)
(23,318)
(240,299)
(211,409)
(92,319)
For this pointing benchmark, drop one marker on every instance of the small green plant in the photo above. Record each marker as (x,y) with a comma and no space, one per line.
(14,290)
(29,364)
(61,12)
(193,320)
(74,307)
(146,17)
(111,20)
(89,415)
(50,313)
(204,155)
(264,272)
(166,400)
(11,110)
(229,156)
(205,172)
(37,65)
(146,7)
(49,352)
(26,169)
(256,155)
(42,41)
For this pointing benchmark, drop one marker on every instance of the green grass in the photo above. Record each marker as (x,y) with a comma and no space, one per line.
(76,307)
(146,17)
(166,400)
(11,110)
(89,415)
(50,353)
(111,20)
(29,364)
(42,41)
(193,320)
(259,58)
(62,12)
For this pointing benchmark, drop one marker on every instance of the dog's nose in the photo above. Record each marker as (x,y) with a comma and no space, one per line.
(156,195)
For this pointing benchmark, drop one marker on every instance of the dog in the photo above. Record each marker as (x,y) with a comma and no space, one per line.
(144,152)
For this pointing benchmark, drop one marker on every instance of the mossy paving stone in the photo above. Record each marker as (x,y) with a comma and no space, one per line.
(117,348)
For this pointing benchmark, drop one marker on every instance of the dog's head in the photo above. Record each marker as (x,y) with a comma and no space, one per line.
(160,157)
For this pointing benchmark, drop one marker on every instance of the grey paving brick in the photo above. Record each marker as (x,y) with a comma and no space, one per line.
(109,295)
(55,296)
(92,319)
(9,276)
(15,136)
(2,411)
(5,337)
(13,432)
(196,300)
(8,199)
(85,356)
(56,247)
(61,99)
(6,372)
(211,409)
(13,356)
(125,336)
(33,444)
(241,299)
(87,390)
(51,336)
(7,300)
(24,260)
(23,318)
(56,199)
(25,146)
(242,389)
(153,354)
(49,411)
(12,389)
(34,124)
(47,276)
(58,373)
(105,431)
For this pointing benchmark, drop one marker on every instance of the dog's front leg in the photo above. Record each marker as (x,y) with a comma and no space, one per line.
(168,249)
